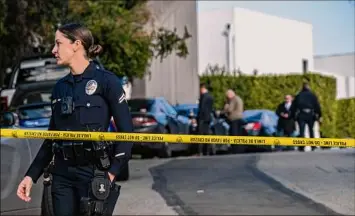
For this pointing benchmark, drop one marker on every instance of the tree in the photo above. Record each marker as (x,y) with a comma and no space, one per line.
(26,27)
(119,26)
(3,10)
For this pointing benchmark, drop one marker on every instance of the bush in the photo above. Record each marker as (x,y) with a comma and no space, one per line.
(345,118)
(268,91)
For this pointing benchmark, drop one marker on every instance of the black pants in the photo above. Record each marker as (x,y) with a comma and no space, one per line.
(70,184)
(235,127)
(303,120)
(203,129)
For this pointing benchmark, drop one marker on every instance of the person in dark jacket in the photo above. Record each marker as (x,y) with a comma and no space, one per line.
(83,100)
(205,109)
(306,110)
(286,123)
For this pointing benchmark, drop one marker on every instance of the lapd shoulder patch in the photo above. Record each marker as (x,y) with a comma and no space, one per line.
(91,87)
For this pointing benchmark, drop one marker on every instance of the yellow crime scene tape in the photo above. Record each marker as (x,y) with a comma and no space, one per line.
(176,138)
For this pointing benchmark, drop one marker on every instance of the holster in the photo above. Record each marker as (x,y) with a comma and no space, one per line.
(99,192)
(100,186)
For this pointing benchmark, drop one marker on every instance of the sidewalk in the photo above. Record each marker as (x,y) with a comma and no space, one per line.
(326,177)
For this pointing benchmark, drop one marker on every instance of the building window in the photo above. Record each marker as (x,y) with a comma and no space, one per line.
(304,65)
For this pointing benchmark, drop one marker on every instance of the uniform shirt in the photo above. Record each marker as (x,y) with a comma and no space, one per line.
(306,100)
(97,95)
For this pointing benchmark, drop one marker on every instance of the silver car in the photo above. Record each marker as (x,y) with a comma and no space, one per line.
(16,157)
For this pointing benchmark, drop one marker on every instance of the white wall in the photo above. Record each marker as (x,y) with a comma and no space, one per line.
(211,43)
(342,66)
(345,84)
(267,43)
(271,44)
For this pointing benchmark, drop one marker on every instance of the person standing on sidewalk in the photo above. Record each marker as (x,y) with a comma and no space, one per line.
(205,108)
(306,110)
(233,110)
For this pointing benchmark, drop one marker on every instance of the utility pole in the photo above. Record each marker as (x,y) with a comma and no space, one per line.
(226,33)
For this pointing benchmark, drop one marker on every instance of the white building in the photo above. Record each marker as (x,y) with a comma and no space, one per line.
(175,79)
(257,41)
(342,67)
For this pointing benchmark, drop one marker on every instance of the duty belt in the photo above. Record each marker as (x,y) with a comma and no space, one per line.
(307,110)
(75,153)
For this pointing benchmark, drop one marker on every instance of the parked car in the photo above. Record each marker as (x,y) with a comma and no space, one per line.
(34,69)
(218,126)
(190,111)
(157,115)
(30,93)
(16,156)
(257,122)
(36,115)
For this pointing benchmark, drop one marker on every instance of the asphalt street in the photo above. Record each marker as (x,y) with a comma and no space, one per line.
(227,185)
(286,183)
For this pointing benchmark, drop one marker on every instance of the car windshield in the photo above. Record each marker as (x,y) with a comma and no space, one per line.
(31,113)
(33,97)
(137,105)
(41,73)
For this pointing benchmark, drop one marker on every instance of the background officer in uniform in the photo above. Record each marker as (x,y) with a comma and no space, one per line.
(84,100)
(205,108)
(306,110)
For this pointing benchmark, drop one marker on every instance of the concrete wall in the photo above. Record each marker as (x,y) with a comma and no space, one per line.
(258,41)
(342,67)
(175,78)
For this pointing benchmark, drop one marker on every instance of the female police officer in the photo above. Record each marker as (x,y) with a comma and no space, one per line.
(84,100)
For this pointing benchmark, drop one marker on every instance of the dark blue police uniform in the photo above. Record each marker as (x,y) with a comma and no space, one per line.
(95,96)
(306,109)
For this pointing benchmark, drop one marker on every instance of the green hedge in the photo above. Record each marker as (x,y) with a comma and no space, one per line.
(268,91)
(345,123)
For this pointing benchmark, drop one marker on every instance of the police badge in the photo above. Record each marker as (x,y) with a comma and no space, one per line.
(90,87)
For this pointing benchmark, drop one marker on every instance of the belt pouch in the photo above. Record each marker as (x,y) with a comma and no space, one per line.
(67,148)
(78,148)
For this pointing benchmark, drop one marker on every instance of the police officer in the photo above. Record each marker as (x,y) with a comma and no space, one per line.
(306,110)
(84,172)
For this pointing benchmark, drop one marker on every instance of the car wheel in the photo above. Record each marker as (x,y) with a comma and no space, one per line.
(47,203)
(124,175)
(212,149)
(165,151)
